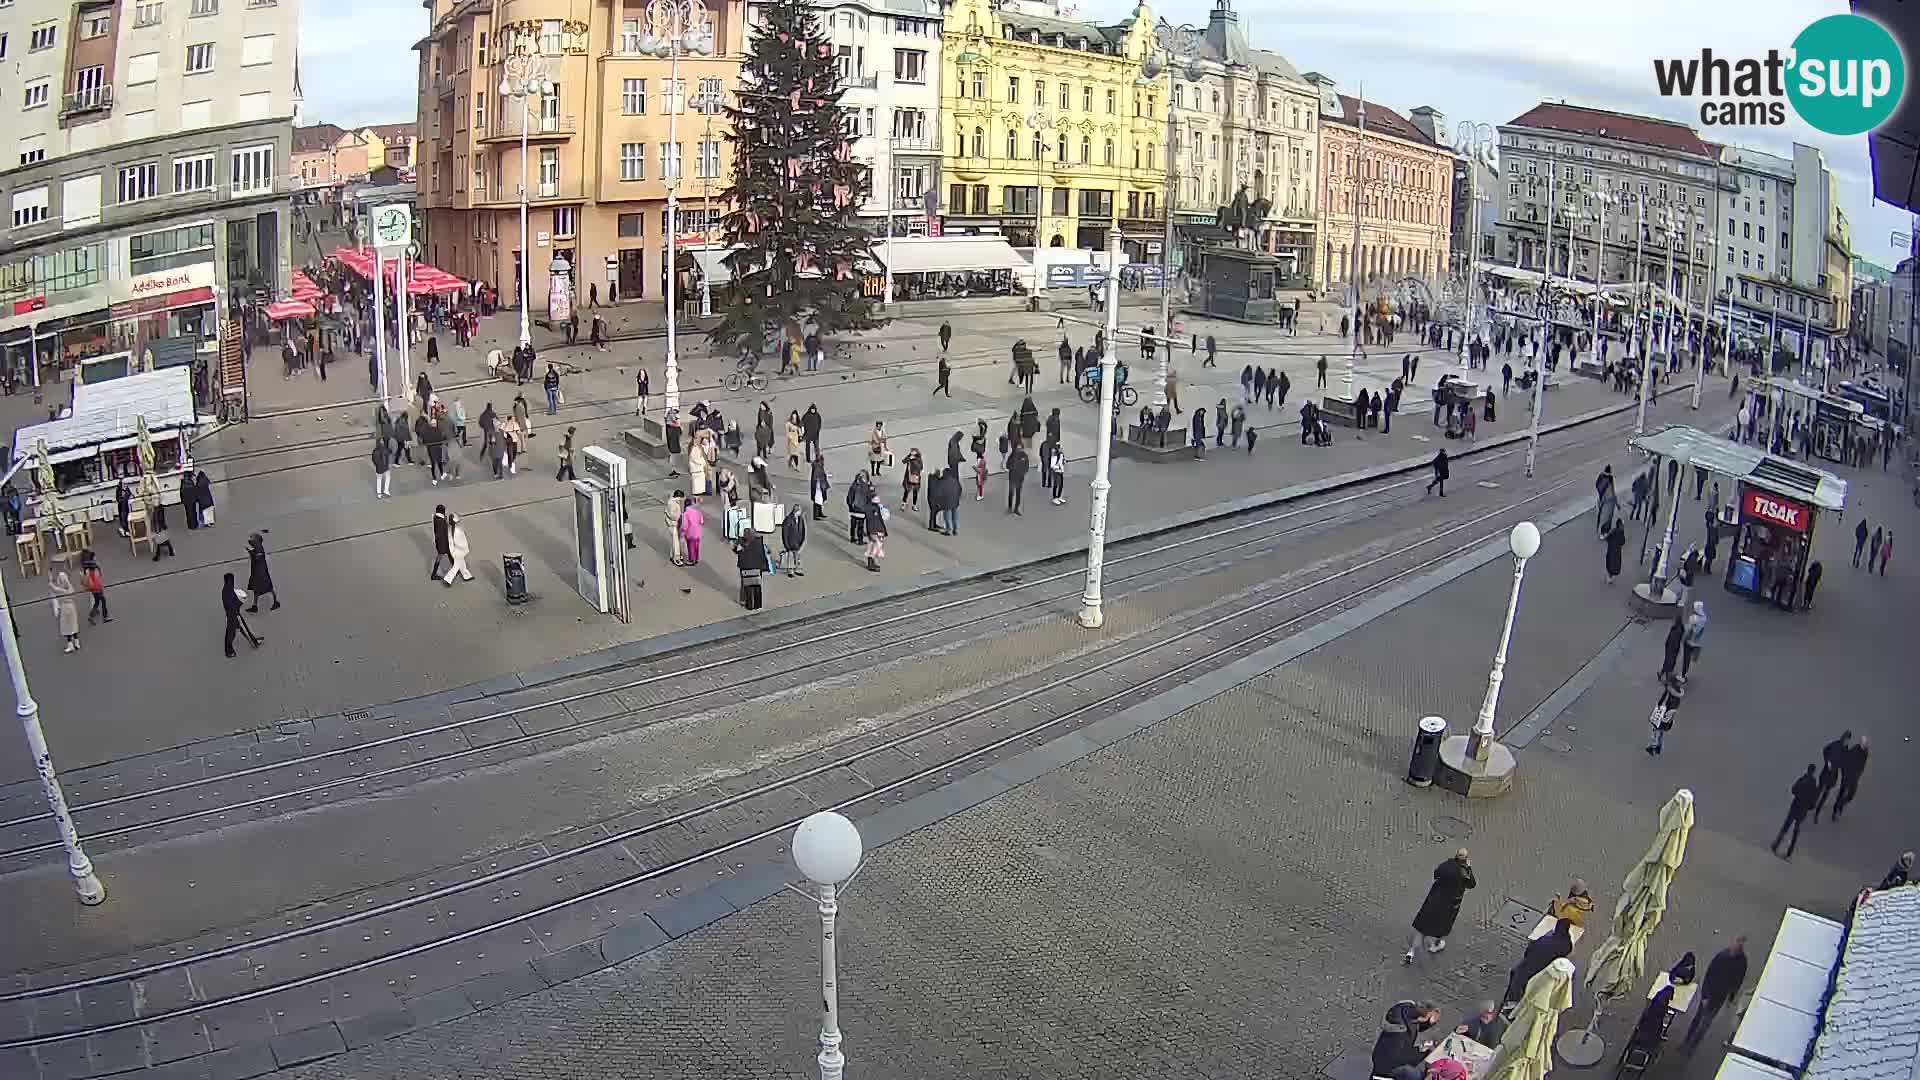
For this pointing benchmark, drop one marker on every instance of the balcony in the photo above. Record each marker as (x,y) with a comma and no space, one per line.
(564,190)
(860,82)
(443,85)
(914,144)
(90,100)
(538,128)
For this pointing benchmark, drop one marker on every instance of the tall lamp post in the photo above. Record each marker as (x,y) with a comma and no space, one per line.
(1646,339)
(1606,199)
(674,27)
(1092,615)
(1175,53)
(827,849)
(1524,541)
(85,882)
(524,77)
(1479,143)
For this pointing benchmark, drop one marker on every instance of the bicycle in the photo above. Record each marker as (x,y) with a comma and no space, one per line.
(746,375)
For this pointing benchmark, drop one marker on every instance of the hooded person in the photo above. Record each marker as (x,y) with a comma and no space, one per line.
(763,431)
(1616,544)
(230,600)
(793,537)
(956,455)
(203,492)
(259,577)
(442,540)
(1029,419)
(1399,1046)
(750,558)
(810,432)
(1434,921)
(859,494)
(190,502)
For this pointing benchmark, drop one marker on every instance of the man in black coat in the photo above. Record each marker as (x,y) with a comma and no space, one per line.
(1398,1048)
(1016,477)
(943,501)
(1805,791)
(442,541)
(1726,973)
(1830,758)
(1440,472)
(1451,880)
(810,432)
(1851,767)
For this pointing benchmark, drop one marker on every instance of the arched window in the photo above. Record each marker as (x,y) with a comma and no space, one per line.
(1150,155)
(1109,152)
(1013,143)
(979,143)
(1039,148)
(1086,147)
(1060,148)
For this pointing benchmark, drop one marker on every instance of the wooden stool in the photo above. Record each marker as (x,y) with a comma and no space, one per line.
(137,531)
(32,557)
(76,537)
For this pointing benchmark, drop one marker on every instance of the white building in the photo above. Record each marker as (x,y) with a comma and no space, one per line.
(889,58)
(146,169)
(1775,217)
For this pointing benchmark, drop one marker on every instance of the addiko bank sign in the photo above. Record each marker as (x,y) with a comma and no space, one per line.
(164,282)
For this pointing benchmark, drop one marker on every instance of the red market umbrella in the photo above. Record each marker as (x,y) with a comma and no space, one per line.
(289,309)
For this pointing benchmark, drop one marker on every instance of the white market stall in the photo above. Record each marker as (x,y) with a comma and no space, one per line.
(96,445)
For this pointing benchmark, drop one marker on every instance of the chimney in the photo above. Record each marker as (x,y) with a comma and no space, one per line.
(1431,122)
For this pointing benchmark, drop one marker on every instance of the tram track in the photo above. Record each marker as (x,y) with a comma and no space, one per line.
(753,652)
(979,727)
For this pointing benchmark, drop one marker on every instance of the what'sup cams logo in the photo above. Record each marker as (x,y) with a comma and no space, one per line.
(1844,75)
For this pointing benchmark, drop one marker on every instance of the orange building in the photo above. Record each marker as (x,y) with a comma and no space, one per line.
(1402,177)
(598,152)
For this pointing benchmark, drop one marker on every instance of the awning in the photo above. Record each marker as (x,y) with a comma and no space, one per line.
(1748,464)
(289,309)
(105,412)
(1784,1015)
(712,265)
(948,254)
(1735,1067)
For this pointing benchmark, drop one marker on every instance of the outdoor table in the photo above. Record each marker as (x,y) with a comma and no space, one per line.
(1545,926)
(1682,995)
(1474,1055)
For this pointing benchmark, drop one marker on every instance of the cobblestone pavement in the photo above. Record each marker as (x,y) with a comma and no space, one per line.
(1226,894)
(356,605)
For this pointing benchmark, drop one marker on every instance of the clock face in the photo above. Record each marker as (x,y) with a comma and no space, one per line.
(1329,102)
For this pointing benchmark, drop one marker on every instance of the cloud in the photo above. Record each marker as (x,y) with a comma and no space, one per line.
(357,64)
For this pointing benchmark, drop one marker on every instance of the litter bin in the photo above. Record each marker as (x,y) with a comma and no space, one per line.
(514,571)
(1426,751)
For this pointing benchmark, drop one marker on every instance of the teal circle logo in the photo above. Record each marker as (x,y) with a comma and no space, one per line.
(1847,75)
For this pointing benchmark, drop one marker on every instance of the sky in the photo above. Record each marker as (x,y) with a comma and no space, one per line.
(1479,60)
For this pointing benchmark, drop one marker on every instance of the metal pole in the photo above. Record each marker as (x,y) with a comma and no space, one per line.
(832,1063)
(1091,615)
(1353,259)
(379,327)
(1646,351)
(886,299)
(1166,260)
(1600,276)
(1706,318)
(674,100)
(400,339)
(1546,306)
(1673,519)
(1483,733)
(526,251)
(85,882)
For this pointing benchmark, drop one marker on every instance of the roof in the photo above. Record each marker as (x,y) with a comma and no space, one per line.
(316,137)
(388,132)
(1782,1014)
(1223,41)
(944,254)
(1381,120)
(1047,25)
(1871,1030)
(104,414)
(1626,127)
(1748,464)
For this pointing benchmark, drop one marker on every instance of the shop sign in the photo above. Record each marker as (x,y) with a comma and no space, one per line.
(196,276)
(1776,510)
(166,302)
(27,307)
(1197,219)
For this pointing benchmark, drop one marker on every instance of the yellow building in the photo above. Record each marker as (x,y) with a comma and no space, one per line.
(1051,139)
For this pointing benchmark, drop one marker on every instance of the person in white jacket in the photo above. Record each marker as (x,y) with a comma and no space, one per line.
(457,546)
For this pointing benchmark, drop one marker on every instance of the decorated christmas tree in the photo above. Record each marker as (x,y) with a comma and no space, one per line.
(796,189)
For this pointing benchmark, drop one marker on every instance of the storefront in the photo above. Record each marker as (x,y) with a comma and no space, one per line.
(96,446)
(170,314)
(1772,544)
(152,310)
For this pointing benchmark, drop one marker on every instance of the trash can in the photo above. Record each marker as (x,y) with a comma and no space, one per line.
(1426,751)
(514,572)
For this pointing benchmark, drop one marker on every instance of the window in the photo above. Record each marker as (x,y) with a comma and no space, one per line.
(3,46)
(36,95)
(29,207)
(1013,143)
(482,60)
(1763,204)
(1086,150)
(1060,148)
(1513,190)
(706,162)
(1066,96)
(550,37)
(1109,152)
(199,58)
(33,149)
(143,68)
(629,225)
(549,175)
(979,84)
(42,38)
(909,66)
(1113,102)
(979,142)
(147,15)
(633,97)
(633,161)
(1746,229)
(1086,99)
(674,95)
(1179,96)
(480,111)
(711,96)
(1746,260)
(193,173)
(1762,260)
(1040,93)
(1763,234)
(252,170)
(1039,148)
(138,182)
(204,7)
(669,161)
(1013,89)
(256,49)
(565,220)
(170,248)
(95,25)
(910,124)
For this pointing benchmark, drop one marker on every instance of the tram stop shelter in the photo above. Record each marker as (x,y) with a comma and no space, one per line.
(1775,506)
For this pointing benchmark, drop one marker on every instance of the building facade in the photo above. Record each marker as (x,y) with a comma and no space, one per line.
(1390,177)
(1474,212)
(603,143)
(149,173)
(1050,140)
(1248,123)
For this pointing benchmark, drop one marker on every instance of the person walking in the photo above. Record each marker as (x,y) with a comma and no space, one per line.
(1886,552)
(565,450)
(1199,432)
(1676,638)
(763,431)
(1852,767)
(1173,389)
(876,531)
(818,484)
(1695,637)
(230,598)
(1441,470)
(1438,912)
(96,587)
(551,384)
(1603,487)
(1017,465)
(693,524)
(402,434)
(457,550)
(810,432)
(793,439)
(1616,544)
(879,452)
(259,577)
(442,540)
(1831,755)
(946,335)
(1805,790)
(489,424)
(382,470)
(1873,547)
(1815,570)
(1057,469)
(643,389)
(1726,974)
(943,376)
(1320,369)
(1660,721)
(1859,542)
(943,500)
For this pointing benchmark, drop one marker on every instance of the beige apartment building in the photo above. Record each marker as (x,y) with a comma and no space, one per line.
(598,148)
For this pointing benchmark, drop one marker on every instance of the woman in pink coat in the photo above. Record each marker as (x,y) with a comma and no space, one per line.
(692,523)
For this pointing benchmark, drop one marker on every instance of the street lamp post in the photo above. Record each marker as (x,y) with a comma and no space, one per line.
(1091,613)
(1524,541)
(1546,314)
(524,76)
(1665,561)
(85,882)
(1478,143)
(827,849)
(1176,52)
(673,27)
(1645,340)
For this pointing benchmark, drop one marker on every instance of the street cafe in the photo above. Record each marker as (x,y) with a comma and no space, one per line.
(1773,513)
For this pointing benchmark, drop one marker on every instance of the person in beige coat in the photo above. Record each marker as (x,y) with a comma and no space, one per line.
(676,506)
(60,586)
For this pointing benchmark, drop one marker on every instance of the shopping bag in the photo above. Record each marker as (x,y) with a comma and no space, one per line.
(765,520)
(736,522)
